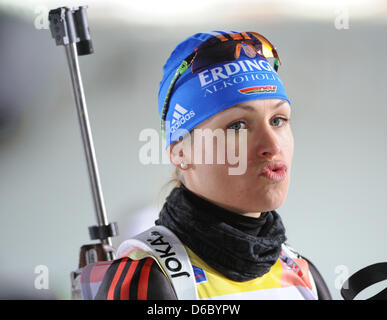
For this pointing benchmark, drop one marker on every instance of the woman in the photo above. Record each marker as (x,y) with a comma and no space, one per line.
(223,207)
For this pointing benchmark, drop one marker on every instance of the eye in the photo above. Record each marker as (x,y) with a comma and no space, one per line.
(278,120)
(237,125)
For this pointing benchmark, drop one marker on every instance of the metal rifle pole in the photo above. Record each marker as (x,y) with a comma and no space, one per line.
(69,28)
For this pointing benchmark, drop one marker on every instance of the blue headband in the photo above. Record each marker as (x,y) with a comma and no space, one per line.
(197,97)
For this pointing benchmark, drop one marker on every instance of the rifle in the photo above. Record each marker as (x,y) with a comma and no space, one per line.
(69,28)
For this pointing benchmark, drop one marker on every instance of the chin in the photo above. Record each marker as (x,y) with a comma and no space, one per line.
(267,204)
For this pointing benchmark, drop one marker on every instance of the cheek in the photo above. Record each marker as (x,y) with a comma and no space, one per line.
(207,163)
(215,149)
(287,145)
(235,145)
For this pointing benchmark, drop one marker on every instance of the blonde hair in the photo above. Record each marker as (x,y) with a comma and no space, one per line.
(176,178)
(175,181)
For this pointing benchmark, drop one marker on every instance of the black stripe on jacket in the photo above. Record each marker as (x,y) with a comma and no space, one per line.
(156,285)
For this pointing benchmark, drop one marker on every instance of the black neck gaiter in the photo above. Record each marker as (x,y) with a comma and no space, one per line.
(241,248)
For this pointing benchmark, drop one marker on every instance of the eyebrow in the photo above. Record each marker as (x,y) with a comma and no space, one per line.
(250,108)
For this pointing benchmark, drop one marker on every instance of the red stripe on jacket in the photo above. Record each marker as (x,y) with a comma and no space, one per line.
(113,285)
(142,292)
(128,279)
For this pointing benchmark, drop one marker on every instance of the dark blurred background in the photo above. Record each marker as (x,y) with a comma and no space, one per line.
(334,71)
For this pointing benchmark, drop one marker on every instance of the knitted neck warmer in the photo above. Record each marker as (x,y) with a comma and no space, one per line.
(239,247)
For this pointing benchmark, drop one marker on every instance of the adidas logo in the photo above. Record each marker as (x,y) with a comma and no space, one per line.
(180,116)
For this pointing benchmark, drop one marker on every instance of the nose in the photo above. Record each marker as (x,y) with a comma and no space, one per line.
(268,145)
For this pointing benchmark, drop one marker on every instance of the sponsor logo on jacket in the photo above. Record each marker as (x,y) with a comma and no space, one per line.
(168,255)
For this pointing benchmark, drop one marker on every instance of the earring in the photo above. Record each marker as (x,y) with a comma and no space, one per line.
(183,165)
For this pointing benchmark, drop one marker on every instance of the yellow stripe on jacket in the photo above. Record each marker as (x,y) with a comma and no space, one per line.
(288,278)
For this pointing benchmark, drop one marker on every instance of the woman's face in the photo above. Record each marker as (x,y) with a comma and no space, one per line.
(268,138)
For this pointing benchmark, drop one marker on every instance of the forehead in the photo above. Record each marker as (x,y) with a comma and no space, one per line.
(255,106)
